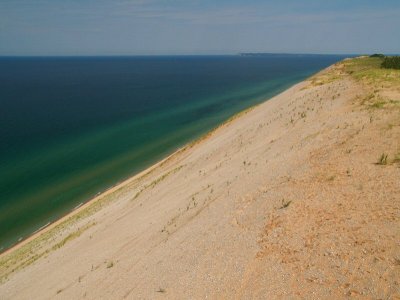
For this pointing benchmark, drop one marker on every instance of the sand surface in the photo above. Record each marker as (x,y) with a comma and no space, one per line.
(286,200)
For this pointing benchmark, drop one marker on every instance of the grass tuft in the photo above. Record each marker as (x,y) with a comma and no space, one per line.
(379,104)
(285,204)
(383,160)
(331,178)
(156,181)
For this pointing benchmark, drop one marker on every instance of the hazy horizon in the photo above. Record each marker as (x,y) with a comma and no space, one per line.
(154,27)
(183,54)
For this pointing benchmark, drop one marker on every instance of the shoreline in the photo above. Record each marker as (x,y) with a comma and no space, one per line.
(85,204)
(285,199)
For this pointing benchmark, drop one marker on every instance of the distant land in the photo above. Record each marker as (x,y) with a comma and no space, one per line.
(262,54)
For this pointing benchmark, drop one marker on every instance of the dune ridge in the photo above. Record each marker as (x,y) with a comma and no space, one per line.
(295,198)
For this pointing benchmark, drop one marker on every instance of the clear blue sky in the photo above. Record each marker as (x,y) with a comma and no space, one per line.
(124,27)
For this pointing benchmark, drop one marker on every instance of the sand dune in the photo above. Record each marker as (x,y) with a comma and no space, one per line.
(290,199)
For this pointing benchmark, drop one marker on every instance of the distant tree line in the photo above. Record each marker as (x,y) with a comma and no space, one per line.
(389,62)
(377,55)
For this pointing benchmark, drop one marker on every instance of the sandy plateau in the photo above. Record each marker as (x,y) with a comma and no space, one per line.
(298,197)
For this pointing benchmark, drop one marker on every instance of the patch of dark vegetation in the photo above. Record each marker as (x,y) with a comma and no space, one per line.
(391,62)
(285,204)
(377,55)
(383,160)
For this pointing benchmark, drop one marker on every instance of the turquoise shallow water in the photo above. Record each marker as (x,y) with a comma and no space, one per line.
(72,127)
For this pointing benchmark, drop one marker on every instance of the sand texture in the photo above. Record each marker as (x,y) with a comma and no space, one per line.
(297,198)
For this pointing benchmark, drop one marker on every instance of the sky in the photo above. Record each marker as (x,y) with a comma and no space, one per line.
(153,27)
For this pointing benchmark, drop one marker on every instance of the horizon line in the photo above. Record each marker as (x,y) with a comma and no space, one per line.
(155,55)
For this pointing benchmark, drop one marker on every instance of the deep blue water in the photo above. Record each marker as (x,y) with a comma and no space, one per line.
(72,126)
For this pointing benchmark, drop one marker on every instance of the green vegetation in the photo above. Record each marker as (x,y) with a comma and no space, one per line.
(379,104)
(368,71)
(391,62)
(321,79)
(364,68)
(375,69)
(377,55)
(30,252)
(157,180)
(72,236)
(383,160)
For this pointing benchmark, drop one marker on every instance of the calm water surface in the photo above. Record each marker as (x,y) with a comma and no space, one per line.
(71,127)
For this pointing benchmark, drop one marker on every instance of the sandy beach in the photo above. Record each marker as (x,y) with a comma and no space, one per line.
(298,197)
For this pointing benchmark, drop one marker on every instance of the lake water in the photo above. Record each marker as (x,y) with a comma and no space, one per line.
(70,127)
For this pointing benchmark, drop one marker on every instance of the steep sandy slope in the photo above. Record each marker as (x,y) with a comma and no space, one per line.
(294,198)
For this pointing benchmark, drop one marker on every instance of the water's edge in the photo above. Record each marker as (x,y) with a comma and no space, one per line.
(117,186)
(176,143)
